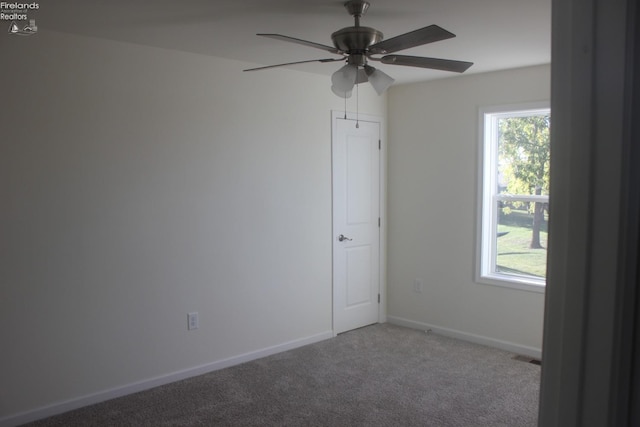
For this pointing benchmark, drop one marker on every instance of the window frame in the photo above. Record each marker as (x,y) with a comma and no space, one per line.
(487,196)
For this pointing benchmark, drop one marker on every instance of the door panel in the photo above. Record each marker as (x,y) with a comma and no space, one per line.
(359,176)
(358,276)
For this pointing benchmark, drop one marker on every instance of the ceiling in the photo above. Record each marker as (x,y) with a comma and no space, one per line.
(493,34)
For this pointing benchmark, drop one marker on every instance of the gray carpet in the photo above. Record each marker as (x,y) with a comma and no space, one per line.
(381,375)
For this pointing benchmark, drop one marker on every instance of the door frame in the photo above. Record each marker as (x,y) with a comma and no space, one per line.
(382,265)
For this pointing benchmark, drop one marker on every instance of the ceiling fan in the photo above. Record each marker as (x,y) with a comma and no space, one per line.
(357,46)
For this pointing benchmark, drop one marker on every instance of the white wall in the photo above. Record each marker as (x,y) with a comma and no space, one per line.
(433,176)
(139,184)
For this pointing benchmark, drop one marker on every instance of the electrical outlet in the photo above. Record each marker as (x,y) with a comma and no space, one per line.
(192,321)
(417,286)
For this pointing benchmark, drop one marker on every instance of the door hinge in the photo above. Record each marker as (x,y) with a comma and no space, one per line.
(379,144)
(378,298)
(378,222)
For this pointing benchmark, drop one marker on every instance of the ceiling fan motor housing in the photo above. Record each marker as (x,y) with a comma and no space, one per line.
(356,40)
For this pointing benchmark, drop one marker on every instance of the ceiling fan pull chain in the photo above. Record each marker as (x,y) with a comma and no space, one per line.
(357,106)
(345,106)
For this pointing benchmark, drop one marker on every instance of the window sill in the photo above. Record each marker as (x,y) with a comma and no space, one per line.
(520,283)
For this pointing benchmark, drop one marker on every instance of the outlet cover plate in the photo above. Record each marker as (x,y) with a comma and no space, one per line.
(192,321)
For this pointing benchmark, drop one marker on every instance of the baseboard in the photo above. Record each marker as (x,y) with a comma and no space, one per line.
(101,396)
(523,350)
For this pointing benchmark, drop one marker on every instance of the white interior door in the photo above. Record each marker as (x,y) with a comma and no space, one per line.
(356,223)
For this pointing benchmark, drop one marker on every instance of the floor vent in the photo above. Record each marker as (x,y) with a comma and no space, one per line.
(527,359)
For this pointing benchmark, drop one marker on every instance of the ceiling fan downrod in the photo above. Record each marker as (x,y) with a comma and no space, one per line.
(357,9)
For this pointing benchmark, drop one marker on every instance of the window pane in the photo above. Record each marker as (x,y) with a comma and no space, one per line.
(521,241)
(523,155)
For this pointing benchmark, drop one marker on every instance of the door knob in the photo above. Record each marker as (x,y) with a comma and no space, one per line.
(342,238)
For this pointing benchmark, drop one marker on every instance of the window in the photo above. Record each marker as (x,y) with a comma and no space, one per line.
(514,196)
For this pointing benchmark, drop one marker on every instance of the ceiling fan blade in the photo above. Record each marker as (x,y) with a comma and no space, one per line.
(434,63)
(302,42)
(430,34)
(294,63)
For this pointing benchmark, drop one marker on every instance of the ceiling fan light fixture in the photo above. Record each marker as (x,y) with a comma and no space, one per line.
(378,79)
(362,76)
(341,94)
(345,78)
